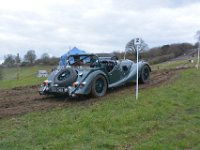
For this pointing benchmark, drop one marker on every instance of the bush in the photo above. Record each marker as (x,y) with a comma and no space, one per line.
(166,52)
(160,59)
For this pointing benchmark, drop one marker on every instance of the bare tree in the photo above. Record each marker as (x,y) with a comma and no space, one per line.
(197,35)
(45,58)
(30,56)
(131,47)
(17,59)
(9,60)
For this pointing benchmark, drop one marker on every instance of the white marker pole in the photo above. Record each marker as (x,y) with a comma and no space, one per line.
(137,42)
(137,74)
(198,55)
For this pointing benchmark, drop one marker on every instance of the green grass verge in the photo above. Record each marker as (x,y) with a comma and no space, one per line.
(174,64)
(165,117)
(27,76)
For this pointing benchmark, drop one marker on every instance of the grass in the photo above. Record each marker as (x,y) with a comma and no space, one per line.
(174,64)
(27,76)
(165,117)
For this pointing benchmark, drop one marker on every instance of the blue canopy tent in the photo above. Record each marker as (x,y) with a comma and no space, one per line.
(73,51)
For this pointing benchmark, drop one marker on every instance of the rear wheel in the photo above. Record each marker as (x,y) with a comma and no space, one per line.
(144,75)
(99,86)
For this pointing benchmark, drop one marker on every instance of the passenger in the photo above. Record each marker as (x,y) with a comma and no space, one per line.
(93,61)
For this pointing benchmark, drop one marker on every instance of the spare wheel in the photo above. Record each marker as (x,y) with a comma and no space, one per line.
(65,77)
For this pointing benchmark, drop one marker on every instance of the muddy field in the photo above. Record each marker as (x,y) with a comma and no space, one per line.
(21,100)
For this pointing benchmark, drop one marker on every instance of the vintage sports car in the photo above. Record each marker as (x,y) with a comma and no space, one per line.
(89,74)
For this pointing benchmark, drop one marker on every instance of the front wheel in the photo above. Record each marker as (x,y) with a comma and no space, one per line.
(144,75)
(99,86)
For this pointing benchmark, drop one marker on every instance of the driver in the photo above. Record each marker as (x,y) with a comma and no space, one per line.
(93,61)
(80,63)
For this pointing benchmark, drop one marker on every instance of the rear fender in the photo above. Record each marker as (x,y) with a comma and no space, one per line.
(88,82)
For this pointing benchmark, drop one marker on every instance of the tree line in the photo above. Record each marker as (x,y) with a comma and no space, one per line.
(153,55)
(160,54)
(29,59)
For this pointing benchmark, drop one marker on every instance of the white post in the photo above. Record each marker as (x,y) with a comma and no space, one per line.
(137,74)
(198,55)
(125,55)
(137,43)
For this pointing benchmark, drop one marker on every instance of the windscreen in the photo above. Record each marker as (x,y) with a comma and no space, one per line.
(82,60)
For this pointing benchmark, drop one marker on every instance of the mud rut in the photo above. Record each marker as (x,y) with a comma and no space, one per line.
(21,100)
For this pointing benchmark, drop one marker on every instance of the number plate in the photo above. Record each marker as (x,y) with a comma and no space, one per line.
(58,89)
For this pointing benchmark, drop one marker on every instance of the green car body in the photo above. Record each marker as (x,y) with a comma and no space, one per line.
(104,73)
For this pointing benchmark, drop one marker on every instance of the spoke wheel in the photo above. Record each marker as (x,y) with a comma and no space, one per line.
(144,75)
(64,75)
(99,86)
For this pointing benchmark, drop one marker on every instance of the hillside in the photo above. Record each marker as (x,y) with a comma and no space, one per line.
(189,54)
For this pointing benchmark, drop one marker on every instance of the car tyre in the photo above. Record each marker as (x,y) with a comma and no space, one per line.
(144,75)
(99,86)
(65,77)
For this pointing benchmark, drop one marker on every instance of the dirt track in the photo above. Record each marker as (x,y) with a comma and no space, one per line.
(18,101)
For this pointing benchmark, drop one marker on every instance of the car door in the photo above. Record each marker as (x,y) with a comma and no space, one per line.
(115,73)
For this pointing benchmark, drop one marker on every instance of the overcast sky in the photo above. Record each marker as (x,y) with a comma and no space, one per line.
(94,25)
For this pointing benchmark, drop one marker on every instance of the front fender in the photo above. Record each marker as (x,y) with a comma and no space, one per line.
(141,65)
(133,71)
(131,76)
